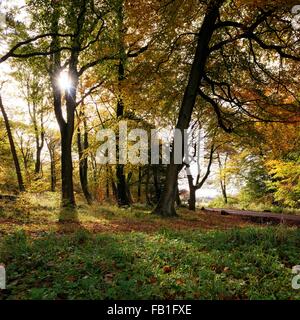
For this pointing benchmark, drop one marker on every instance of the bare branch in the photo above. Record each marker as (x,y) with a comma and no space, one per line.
(11,52)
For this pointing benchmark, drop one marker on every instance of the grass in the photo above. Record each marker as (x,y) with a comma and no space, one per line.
(149,258)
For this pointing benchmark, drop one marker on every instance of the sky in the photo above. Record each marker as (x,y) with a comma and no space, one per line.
(9,90)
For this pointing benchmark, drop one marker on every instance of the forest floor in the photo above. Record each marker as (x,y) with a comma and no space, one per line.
(113,253)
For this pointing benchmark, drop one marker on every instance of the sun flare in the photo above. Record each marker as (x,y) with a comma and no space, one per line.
(64,81)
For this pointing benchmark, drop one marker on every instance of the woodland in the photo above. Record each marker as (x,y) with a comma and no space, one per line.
(226,71)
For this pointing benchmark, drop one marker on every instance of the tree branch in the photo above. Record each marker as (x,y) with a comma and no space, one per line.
(11,52)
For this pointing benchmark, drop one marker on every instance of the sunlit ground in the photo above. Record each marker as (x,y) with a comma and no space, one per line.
(117,253)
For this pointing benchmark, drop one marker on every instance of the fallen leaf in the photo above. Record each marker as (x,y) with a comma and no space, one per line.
(153,279)
(167,269)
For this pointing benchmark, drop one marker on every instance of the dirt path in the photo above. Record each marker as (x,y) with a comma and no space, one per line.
(256,216)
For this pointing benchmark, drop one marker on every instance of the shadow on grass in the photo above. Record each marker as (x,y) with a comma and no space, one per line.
(237,264)
(69,221)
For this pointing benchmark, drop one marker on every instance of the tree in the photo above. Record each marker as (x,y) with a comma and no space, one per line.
(31,79)
(239,50)
(234,68)
(12,147)
(199,180)
(83,145)
(223,174)
(285,181)
(81,22)
(24,141)
(165,206)
(82,35)
(52,142)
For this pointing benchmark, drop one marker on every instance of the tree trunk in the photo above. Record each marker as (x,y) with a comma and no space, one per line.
(129,176)
(66,125)
(192,197)
(113,184)
(53,175)
(83,160)
(178,200)
(114,189)
(156,180)
(139,189)
(12,148)
(39,148)
(37,167)
(51,148)
(224,194)
(223,183)
(39,141)
(166,207)
(107,183)
(122,188)
(148,200)
(123,199)
(68,199)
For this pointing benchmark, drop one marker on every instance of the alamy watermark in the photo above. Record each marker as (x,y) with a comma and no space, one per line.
(2,277)
(2,16)
(296,278)
(141,147)
(2,19)
(296,17)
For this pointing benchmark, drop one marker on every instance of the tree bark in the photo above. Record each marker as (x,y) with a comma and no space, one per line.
(223,183)
(123,199)
(107,183)
(156,181)
(12,147)
(51,148)
(53,177)
(39,136)
(83,160)
(178,200)
(122,188)
(66,125)
(114,189)
(113,184)
(192,199)
(122,193)
(224,193)
(139,188)
(39,148)
(53,174)
(68,199)
(66,133)
(166,206)
(148,200)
